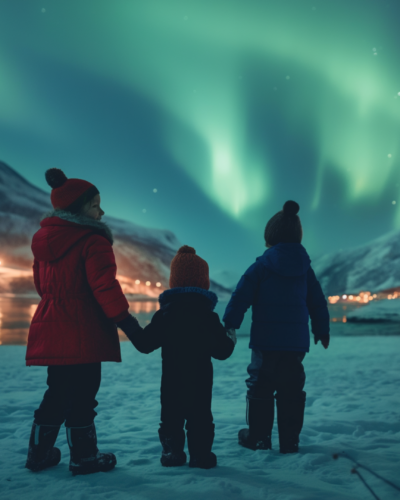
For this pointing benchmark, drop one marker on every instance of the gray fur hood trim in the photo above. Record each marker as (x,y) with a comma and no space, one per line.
(98,226)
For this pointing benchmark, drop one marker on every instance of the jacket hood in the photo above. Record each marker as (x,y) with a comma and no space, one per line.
(61,230)
(286,259)
(169,295)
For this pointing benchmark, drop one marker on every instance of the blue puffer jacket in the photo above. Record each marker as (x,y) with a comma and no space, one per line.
(283,291)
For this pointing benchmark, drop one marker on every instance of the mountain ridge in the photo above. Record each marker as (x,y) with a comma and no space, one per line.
(374,267)
(142,254)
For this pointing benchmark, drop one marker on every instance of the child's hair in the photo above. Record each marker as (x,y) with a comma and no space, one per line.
(79,204)
(284,226)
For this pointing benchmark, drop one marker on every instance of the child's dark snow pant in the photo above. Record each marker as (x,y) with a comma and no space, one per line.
(194,406)
(281,372)
(71,395)
(70,398)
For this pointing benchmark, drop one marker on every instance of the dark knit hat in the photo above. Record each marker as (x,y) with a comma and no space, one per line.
(284,226)
(188,269)
(69,194)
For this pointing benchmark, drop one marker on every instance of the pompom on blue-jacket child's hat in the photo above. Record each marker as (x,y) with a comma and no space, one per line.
(189,270)
(284,226)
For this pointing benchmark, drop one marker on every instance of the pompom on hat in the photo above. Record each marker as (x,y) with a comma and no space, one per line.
(69,194)
(189,270)
(284,226)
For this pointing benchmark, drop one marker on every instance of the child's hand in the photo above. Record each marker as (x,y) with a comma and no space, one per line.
(130,326)
(324,340)
(231,332)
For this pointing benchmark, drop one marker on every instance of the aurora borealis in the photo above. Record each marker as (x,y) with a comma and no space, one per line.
(226,108)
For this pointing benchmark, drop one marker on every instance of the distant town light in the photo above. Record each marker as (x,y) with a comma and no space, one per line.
(351,297)
(137,282)
(148,283)
(394,202)
(33,309)
(158,284)
(344,297)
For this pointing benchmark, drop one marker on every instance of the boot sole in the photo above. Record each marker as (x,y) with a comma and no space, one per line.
(202,463)
(174,461)
(202,466)
(92,468)
(256,446)
(84,472)
(34,467)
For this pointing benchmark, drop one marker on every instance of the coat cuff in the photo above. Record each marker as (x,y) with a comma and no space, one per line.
(121,316)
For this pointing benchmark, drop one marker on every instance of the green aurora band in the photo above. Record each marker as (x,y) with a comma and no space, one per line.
(332,66)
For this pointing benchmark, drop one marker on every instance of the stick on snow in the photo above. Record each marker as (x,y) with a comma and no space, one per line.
(355,471)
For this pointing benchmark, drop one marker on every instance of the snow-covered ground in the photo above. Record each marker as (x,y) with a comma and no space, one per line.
(380,310)
(353,404)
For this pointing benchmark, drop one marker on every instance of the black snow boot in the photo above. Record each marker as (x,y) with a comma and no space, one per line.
(41,452)
(172,452)
(290,421)
(207,461)
(85,456)
(200,442)
(260,419)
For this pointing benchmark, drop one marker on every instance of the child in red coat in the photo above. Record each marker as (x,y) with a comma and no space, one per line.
(74,327)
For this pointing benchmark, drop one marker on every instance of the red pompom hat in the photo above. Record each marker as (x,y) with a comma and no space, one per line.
(68,194)
(188,269)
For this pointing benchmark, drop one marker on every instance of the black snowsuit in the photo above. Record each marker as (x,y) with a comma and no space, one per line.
(190,334)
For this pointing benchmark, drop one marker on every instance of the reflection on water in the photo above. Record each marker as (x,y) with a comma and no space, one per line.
(144,307)
(338,312)
(16,314)
(15,318)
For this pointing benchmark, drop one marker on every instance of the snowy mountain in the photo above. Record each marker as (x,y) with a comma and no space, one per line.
(229,279)
(142,254)
(371,267)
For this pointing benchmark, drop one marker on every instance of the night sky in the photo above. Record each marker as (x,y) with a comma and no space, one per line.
(204,117)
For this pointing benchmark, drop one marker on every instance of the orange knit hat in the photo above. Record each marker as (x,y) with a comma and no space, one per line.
(188,269)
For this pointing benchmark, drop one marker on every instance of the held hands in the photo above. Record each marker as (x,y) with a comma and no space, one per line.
(130,326)
(324,340)
(231,332)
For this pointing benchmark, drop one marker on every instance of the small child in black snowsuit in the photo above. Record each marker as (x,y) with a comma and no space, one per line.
(283,292)
(190,334)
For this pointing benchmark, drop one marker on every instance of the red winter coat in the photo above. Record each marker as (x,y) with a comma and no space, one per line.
(74,273)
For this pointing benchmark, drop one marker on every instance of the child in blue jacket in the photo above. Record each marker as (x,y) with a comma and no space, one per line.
(283,291)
